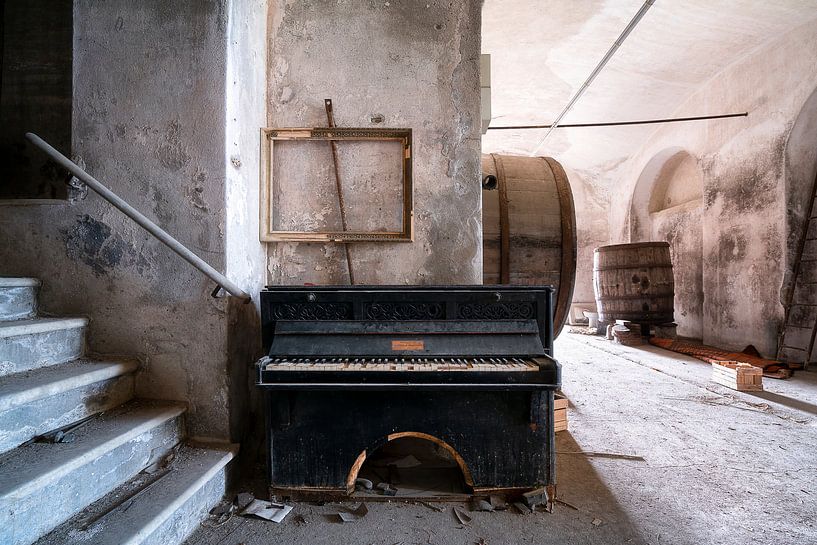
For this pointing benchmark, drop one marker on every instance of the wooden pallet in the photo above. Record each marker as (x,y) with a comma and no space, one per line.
(560,404)
(738,376)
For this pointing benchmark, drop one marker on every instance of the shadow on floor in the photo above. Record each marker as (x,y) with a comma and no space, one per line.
(597,519)
(790,402)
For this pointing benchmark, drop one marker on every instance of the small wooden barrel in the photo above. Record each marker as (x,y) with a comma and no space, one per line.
(634,282)
(529,227)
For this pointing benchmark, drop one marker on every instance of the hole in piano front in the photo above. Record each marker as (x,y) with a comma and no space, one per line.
(414,467)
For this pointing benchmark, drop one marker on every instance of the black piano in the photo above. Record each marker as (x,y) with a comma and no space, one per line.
(349,368)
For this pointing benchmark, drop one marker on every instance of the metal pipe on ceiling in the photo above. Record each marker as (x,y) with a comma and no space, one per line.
(607,56)
(621,123)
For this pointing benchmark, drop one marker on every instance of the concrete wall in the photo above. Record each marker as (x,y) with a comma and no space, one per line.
(591,197)
(747,184)
(150,120)
(246,112)
(417,66)
(168,100)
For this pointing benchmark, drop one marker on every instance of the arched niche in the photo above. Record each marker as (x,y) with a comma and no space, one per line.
(667,204)
(354,471)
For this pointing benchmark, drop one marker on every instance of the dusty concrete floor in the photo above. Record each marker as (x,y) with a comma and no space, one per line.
(719,466)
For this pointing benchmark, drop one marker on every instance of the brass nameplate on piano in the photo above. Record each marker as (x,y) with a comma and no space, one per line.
(407,345)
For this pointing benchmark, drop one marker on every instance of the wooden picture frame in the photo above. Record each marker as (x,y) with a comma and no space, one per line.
(269,136)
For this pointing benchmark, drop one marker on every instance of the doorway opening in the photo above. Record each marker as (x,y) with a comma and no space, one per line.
(36,79)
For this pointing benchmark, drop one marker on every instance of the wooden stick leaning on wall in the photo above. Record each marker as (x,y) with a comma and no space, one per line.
(330,120)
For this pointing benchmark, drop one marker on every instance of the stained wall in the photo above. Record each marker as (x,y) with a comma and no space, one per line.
(667,205)
(165,114)
(167,104)
(387,64)
(751,192)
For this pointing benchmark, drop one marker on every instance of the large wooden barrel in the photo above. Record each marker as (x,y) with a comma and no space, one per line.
(529,227)
(634,282)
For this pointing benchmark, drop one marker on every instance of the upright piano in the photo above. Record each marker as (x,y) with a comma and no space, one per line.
(349,368)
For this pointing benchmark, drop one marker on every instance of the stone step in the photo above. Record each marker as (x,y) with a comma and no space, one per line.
(18,298)
(160,508)
(40,342)
(41,400)
(45,484)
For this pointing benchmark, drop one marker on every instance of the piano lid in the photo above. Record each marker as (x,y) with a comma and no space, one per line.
(409,320)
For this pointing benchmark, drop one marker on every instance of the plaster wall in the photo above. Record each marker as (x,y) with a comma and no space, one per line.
(680,226)
(246,111)
(745,179)
(413,66)
(148,121)
(591,199)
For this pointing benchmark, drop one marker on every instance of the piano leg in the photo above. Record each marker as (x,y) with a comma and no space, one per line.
(541,417)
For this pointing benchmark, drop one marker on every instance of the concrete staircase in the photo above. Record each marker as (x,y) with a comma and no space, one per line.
(81,461)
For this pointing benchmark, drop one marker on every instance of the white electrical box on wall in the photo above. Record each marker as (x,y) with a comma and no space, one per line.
(485,90)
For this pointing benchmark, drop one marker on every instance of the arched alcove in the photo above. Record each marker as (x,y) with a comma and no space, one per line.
(667,204)
(421,459)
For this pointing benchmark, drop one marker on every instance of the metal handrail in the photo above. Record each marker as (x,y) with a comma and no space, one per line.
(162,235)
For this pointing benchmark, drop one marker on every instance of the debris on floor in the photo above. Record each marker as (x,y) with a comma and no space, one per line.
(522,508)
(463,517)
(388,490)
(219,515)
(610,455)
(584,330)
(480,504)
(221,509)
(363,484)
(355,514)
(738,376)
(597,522)
(566,504)
(275,512)
(710,354)
(537,496)
(243,499)
(498,502)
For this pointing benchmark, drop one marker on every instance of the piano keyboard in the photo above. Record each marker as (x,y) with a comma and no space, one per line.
(400,364)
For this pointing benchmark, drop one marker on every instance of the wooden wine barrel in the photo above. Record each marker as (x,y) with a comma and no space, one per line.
(634,282)
(529,227)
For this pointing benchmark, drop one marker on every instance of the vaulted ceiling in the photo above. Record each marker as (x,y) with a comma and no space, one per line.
(542,52)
